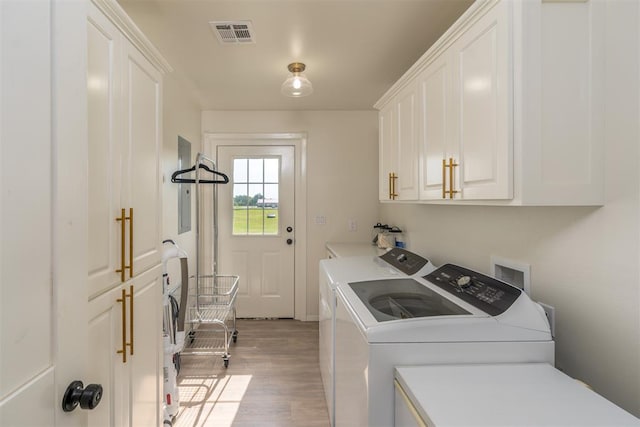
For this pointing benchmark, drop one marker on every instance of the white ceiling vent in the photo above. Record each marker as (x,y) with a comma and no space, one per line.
(233,32)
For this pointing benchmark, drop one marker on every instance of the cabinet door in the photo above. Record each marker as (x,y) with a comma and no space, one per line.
(387,151)
(407,145)
(107,366)
(142,124)
(147,359)
(483,103)
(103,71)
(132,389)
(436,128)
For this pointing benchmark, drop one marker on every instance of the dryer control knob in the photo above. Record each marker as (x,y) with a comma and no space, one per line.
(464,281)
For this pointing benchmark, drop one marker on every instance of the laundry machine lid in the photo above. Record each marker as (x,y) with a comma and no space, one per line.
(403,299)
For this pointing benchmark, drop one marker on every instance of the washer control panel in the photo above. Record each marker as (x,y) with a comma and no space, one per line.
(404,260)
(483,292)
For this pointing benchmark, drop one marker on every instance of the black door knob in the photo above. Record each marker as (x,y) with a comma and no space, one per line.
(76,393)
(289,241)
(289,229)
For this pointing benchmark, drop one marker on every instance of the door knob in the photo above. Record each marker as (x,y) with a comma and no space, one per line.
(289,229)
(289,241)
(76,393)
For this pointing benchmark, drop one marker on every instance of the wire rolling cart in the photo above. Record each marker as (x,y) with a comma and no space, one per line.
(210,302)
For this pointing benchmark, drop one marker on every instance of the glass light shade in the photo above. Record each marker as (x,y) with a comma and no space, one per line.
(296,85)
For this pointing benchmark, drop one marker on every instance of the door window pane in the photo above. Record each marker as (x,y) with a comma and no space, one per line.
(271,170)
(255,196)
(240,170)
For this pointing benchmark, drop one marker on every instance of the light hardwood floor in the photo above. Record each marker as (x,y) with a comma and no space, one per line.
(273,379)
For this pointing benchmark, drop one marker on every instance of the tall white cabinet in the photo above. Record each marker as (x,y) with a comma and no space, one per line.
(124,80)
(508,109)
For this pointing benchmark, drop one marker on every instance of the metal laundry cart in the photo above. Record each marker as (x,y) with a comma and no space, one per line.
(210,313)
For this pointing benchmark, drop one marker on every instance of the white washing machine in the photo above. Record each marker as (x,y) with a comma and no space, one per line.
(394,264)
(450,316)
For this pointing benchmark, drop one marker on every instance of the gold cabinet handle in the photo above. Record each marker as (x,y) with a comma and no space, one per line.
(123,302)
(392,186)
(451,178)
(131,320)
(123,265)
(131,245)
(451,191)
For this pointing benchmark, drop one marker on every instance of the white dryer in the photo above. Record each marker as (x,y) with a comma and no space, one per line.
(394,264)
(452,315)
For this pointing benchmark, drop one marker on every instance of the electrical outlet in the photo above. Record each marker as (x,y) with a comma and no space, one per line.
(321,220)
(551,317)
(352,225)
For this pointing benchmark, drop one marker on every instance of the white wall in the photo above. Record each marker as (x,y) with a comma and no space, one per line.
(342,168)
(584,261)
(181,117)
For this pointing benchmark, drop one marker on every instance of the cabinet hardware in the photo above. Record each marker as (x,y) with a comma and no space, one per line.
(123,265)
(392,185)
(451,191)
(131,320)
(451,178)
(123,302)
(131,245)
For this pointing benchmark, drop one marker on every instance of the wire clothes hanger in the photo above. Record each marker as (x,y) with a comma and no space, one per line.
(224,178)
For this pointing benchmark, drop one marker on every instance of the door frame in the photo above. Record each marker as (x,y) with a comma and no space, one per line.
(210,143)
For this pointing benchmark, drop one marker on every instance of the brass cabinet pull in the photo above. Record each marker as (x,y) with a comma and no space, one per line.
(392,186)
(123,301)
(451,191)
(451,178)
(131,320)
(123,265)
(131,244)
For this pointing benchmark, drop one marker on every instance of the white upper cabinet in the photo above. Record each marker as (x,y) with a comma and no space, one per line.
(481,102)
(436,128)
(142,122)
(387,153)
(408,145)
(399,147)
(508,108)
(124,120)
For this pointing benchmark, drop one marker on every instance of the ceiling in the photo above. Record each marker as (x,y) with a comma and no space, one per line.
(354,49)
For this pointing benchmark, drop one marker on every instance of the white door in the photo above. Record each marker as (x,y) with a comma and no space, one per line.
(256,227)
(43,331)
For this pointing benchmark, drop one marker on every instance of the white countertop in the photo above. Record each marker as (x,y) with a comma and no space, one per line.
(347,249)
(531,394)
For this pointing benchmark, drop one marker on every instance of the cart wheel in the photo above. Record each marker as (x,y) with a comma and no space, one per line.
(192,336)
(235,336)
(226,363)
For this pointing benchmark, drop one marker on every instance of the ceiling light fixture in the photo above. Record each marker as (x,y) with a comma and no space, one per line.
(297,84)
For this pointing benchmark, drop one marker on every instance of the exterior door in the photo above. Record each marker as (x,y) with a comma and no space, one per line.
(256,227)
(43,332)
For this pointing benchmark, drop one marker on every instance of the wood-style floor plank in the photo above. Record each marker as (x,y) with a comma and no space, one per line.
(273,380)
